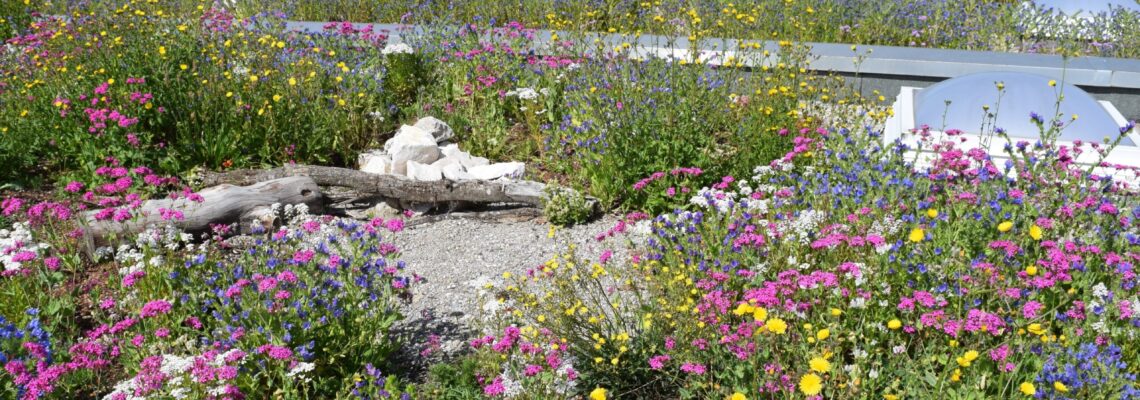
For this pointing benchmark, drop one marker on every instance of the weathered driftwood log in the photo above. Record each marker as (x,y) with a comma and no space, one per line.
(223,204)
(396,187)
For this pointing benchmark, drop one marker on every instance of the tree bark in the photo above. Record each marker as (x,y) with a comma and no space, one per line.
(223,204)
(395,186)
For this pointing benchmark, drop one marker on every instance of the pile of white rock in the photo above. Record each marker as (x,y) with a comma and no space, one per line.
(423,152)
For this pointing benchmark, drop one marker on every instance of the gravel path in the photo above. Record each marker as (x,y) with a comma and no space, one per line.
(452,253)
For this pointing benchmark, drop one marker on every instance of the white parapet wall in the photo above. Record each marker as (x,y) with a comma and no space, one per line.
(902,126)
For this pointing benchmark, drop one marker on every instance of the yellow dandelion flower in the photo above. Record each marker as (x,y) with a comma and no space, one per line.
(1005,226)
(820,365)
(743,308)
(598,394)
(971,355)
(1035,232)
(894,324)
(1052,82)
(823,334)
(932,213)
(738,396)
(292,82)
(777,326)
(759,314)
(1031,270)
(1060,387)
(1036,329)
(811,384)
(1027,389)
(917,235)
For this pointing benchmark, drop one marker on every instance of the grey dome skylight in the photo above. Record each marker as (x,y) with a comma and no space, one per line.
(1024,94)
(1087,7)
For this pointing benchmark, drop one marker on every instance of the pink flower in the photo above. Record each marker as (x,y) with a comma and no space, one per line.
(276,352)
(695,369)
(155,308)
(303,256)
(658,362)
(1030,309)
(495,388)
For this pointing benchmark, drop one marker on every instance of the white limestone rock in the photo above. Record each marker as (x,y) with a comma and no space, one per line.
(411,144)
(455,172)
(438,129)
(513,170)
(466,159)
(376,162)
(424,172)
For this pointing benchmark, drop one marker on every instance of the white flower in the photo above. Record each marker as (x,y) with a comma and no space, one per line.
(300,369)
(397,48)
(523,93)
(1100,291)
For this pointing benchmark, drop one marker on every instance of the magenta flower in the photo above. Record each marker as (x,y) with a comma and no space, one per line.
(155,308)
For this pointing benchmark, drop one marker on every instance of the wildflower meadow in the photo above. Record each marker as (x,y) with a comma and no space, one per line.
(767,242)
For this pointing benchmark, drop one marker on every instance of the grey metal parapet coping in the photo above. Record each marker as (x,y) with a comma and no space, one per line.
(881,60)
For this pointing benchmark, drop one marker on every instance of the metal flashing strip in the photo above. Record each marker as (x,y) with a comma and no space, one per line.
(882,60)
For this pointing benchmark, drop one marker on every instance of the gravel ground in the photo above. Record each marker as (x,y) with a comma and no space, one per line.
(452,252)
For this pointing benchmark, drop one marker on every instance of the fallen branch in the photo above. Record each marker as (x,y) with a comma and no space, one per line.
(224,204)
(396,187)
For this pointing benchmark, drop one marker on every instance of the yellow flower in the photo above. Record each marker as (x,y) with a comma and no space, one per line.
(162,50)
(917,235)
(956,376)
(598,394)
(738,396)
(1035,232)
(777,326)
(1005,226)
(253,78)
(1052,82)
(818,364)
(759,314)
(971,355)
(823,334)
(835,312)
(894,324)
(183,66)
(292,82)
(1031,270)
(1027,389)
(1036,329)
(743,308)
(1060,387)
(932,213)
(811,384)
(890,397)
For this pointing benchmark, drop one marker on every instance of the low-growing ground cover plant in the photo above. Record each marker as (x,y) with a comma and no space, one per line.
(304,312)
(844,271)
(971,24)
(838,268)
(183,85)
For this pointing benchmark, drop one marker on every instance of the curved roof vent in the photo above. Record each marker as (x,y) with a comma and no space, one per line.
(1023,94)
